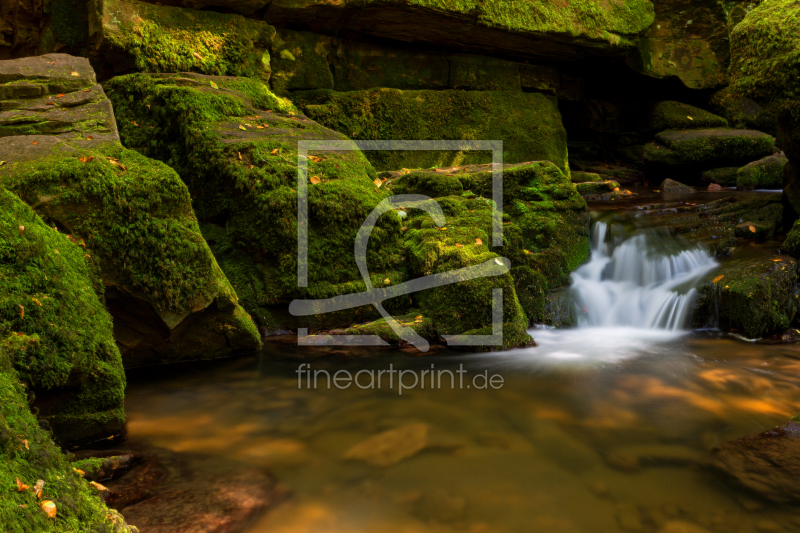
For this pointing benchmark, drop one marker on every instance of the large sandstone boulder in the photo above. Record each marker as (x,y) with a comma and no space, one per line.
(528,123)
(240,162)
(58,138)
(55,330)
(535,29)
(133,35)
(765,66)
(693,151)
(27,452)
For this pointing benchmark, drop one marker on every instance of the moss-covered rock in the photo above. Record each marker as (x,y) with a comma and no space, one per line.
(765,66)
(300,60)
(529,124)
(742,112)
(766,173)
(585,177)
(698,150)
(753,296)
(670,115)
(55,329)
(792,243)
(27,455)
(156,38)
(597,187)
(133,215)
(725,176)
(537,28)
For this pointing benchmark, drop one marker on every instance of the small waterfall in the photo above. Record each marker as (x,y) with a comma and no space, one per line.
(646,280)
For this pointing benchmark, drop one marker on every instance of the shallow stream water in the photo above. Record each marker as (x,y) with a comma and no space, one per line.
(598,429)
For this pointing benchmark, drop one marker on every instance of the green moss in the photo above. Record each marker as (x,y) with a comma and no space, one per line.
(28,454)
(725,176)
(698,149)
(585,177)
(765,173)
(422,326)
(579,18)
(173,39)
(529,124)
(670,115)
(300,61)
(51,295)
(597,187)
(754,298)
(792,243)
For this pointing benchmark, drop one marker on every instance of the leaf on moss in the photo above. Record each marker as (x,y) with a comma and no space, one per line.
(214,85)
(314,180)
(75,74)
(80,472)
(718,278)
(49,508)
(37,489)
(275,151)
(21,311)
(98,486)
(21,231)
(21,487)
(86,159)
(478,242)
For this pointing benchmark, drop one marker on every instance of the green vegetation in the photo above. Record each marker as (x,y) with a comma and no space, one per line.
(709,148)
(725,176)
(597,187)
(54,328)
(765,173)
(792,243)
(173,39)
(529,124)
(671,115)
(28,454)
(579,18)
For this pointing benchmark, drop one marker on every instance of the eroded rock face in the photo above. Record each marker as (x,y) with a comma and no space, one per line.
(535,29)
(132,215)
(766,463)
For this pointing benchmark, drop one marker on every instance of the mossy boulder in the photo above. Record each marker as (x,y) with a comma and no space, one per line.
(585,177)
(670,115)
(694,151)
(765,67)
(742,112)
(792,243)
(133,35)
(55,330)
(766,173)
(28,454)
(596,187)
(725,176)
(753,296)
(529,124)
(537,28)
(133,215)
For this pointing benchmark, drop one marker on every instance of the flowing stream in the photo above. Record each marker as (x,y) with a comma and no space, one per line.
(603,428)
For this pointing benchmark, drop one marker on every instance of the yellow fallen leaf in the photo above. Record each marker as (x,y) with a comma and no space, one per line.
(259,127)
(718,278)
(378,182)
(752,229)
(80,472)
(198,56)
(459,245)
(777,260)
(21,487)
(21,231)
(690,118)
(242,128)
(314,180)
(35,142)
(37,302)
(86,159)
(134,123)
(315,159)
(443,229)
(240,155)
(478,242)
(98,486)
(387,281)
(275,151)
(37,489)
(527,252)
(616,189)
(21,311)
(2,163)
(75,74)
(25,441)
(49,508)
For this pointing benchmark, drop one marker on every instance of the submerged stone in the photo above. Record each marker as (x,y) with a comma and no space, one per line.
(675,187)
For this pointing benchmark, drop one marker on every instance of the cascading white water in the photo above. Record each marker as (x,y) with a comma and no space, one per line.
(633,282)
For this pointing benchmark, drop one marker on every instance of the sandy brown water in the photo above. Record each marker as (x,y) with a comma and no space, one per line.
(549,451)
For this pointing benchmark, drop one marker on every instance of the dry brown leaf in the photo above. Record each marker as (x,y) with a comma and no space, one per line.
(60,95)
(75,74)
(616,189)
(37,302)
(459,245)
(21,311)
(778,260)
(50,103)
(265,125)
(37,489)
(387,281)
(116,163)
(314,180)
(134,123)
(80,472)
(49,508)
(21,231)
(86,159)
(378,182)
(478,242)
(690,118)
(259,127)
(275,151)
(718,278)
(89,138)
(418,317)
(443,229)
(21,487)
(752,229)
(240,155)
(98,486)
(148,106)
(25,441)
(198,56)
(315,159)
(35,142)
(89,257)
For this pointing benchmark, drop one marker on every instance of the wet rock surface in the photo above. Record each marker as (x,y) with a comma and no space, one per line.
(766,464)
(180,493)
